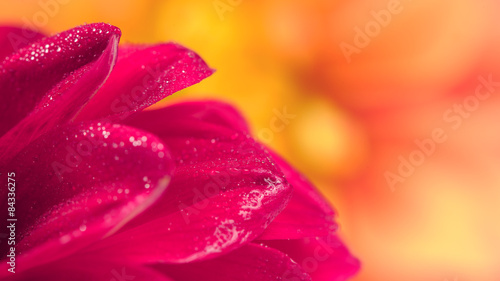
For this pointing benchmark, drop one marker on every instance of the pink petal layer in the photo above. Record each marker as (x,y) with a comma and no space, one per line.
(77,268)
(143,76)
(307,215)
(224,193)
(200,119)
(52,79)
(249,263)
(324,258)
(15,38)
(209,111)
(78,183)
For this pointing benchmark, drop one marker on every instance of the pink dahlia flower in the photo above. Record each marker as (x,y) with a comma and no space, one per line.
(98,189)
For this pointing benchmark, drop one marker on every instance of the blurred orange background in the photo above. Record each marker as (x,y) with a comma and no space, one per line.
(365,82)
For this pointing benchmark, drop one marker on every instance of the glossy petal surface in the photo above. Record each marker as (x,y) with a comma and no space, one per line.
(199,119)
(307,215)
(250,262)
(324,258)
(77,268)
(225,191)
(47,83)
(79,183)
(143,76)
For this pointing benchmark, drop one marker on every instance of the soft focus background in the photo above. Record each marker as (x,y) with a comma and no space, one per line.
(352,93)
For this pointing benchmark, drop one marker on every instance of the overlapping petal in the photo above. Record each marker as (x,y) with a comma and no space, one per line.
(307,215)
(249,263)
(143,76)
(47,83)
(79,183)
(323,258)
(78,268)
(224,193)
(199,119)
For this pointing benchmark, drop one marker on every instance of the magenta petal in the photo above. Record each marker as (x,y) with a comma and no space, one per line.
(249,263)
(324,258)
(79,183)
(15,38)
(224,193)
(143,76)
(201,119)
(76,268)
(208,111)
(68,68)
(307,215)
